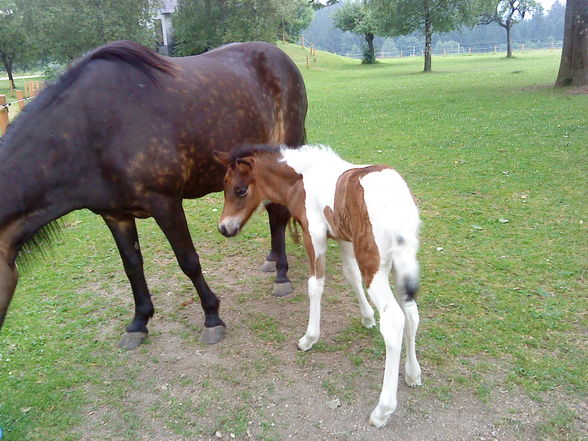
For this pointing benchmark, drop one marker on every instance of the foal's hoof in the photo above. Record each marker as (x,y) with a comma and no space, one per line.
(282,289)
(211,336)
(269,266)
(379,418)
(131,340)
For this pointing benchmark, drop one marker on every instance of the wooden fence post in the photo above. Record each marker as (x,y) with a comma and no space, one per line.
(20,98)
(3,115)
(307,62)
(302,41)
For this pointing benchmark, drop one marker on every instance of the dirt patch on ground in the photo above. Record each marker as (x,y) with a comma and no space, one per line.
(255,385)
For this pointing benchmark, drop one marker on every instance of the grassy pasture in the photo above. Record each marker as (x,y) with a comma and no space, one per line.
(496,158)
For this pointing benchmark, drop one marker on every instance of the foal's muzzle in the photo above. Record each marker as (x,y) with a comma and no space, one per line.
(228,229)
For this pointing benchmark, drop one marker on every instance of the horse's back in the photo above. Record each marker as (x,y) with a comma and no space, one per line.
(159,135)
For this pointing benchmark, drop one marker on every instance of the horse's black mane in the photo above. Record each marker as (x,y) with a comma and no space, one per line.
(250,150)
(138,56)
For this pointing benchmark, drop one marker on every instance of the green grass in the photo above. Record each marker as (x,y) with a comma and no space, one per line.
(482,138)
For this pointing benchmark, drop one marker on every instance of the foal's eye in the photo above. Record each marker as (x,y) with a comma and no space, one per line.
(241,191)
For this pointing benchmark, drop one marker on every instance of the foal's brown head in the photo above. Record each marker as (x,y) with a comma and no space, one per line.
(242,195)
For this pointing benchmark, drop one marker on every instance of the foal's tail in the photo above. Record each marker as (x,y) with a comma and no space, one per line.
(406,268)
(293,230)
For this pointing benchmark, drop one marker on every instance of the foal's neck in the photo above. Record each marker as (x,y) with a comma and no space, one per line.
(274,178)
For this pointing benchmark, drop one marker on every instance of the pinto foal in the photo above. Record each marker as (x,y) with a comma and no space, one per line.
(369,210)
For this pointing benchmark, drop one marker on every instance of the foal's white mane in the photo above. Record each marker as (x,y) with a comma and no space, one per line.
(307,156)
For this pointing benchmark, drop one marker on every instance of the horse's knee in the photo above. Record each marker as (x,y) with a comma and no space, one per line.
(190,265)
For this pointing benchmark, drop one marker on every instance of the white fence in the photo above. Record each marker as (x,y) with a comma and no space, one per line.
(446,48)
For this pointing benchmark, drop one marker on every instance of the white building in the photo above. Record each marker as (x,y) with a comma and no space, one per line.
(164,20)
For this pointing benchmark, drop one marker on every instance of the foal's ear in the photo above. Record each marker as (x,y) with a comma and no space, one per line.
(223,158)
(245,164)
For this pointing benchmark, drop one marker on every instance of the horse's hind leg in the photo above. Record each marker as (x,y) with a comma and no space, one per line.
(172,222)
(278,220)
(124,230)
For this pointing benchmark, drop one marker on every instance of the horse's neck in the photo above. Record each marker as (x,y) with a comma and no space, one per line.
(30,195)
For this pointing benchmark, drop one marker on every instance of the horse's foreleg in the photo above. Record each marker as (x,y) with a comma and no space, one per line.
(124,230)
(8,279)
(278,220)
(172,222)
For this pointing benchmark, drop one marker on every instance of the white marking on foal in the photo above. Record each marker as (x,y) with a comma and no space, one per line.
(370,212)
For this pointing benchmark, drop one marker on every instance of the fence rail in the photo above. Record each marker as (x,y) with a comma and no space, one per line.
(457,49)
(31,89)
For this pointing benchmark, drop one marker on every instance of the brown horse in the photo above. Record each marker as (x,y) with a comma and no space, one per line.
(128,134)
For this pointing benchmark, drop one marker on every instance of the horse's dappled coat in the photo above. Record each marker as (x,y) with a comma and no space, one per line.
(128,133)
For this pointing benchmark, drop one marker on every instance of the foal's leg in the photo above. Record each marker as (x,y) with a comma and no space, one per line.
(124,230)
(316,249)
(406,275)
(172,221)
(391,326)
(353,276)
(277,260)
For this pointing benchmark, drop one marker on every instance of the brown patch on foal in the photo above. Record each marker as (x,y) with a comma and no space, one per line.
(349,220)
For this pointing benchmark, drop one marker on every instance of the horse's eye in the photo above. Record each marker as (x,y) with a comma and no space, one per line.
(241,191)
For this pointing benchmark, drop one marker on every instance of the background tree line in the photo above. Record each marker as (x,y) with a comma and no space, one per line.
(326,31)
(44,31)
(40,32)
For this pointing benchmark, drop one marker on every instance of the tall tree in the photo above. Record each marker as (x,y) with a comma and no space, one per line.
(506,13)
(201,25)
(65,29)
(573,68)
(355,17)
(402,17)
(295,16)
(15,46)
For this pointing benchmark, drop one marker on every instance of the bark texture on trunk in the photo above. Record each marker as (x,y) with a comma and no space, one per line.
(573,68)
(428,38)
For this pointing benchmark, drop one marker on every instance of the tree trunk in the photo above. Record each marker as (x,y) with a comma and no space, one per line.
(508,27)
(7,62)
(369,56)
(428,37)
(573,68)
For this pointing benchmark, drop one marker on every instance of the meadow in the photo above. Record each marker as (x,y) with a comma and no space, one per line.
(497,160)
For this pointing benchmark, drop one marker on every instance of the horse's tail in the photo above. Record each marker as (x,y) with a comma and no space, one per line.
(38,245)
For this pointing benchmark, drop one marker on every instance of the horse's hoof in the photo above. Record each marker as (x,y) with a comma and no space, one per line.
(269,266)
(282,289)
(211,336)
(131,340)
